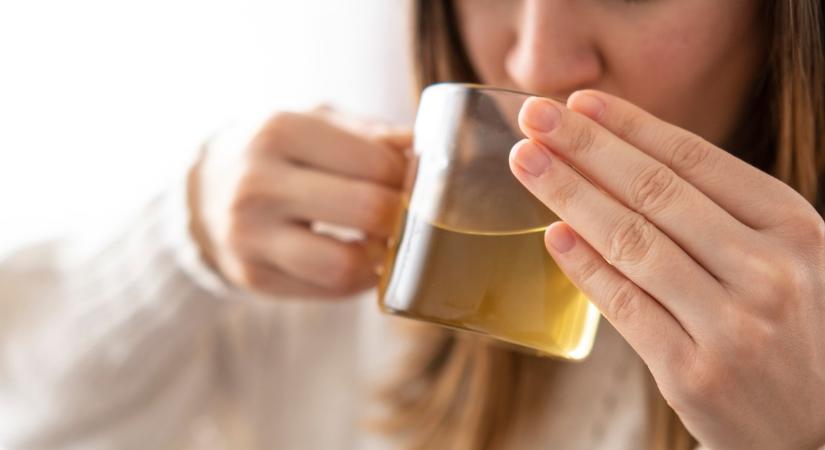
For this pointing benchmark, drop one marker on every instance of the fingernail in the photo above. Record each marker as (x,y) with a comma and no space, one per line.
(560,237)
(587,104)
(530,157)
(540,114)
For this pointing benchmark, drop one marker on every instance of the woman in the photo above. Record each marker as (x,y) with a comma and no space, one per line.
(717,279)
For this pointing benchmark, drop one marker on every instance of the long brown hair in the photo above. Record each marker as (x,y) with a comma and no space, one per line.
(460,391)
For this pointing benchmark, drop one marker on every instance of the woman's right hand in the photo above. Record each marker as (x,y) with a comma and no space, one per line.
(256,195)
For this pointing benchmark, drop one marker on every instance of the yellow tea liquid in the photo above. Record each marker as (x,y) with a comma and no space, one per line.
(502,284)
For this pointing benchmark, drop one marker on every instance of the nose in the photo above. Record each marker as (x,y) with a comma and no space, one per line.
(553,53)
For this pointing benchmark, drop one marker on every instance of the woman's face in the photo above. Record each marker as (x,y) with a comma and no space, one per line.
(690,62)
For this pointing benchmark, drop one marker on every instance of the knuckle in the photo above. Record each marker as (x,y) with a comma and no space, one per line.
(246,275)
(704,382)
(589,270)
(345,267)
(689,153)
(749,336)
(254,191)
(387,170)
(582,139)
(280,122)
(773,283)
(631,241)
(788,275)
(245,203)
(758,266)
(275,135)
(810,226)
(772,307)
(236,234)
(771,272)
(654,189)
(623,303)
(628,125)
(818,231)
(374,208)
(565,191)
(322,109)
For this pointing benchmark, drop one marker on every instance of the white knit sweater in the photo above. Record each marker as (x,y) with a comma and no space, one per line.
(132,343)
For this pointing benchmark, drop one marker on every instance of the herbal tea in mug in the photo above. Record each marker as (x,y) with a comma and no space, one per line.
(469,253)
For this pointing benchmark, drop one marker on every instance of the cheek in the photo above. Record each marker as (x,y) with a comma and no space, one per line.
(689,73)
(487,48)
(488,31)
(661,69)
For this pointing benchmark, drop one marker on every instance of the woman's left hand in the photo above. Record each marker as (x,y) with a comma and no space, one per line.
(716,272)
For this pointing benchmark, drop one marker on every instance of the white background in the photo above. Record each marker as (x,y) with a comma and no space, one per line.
(102,102)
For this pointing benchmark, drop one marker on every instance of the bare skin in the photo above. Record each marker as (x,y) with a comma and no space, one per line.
(717,270)
(259,189)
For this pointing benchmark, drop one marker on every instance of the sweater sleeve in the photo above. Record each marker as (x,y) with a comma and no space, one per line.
(108,343)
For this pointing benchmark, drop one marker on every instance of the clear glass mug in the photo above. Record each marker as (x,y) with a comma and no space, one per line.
(469,252)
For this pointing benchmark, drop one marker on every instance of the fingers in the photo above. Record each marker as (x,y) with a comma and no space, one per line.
(398,137)
(267,280)
(314,142)
(314,259)
(306,195)
(632,244)
(366,206)
(260,188)
(698,225)
(648,327)
(744,191)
